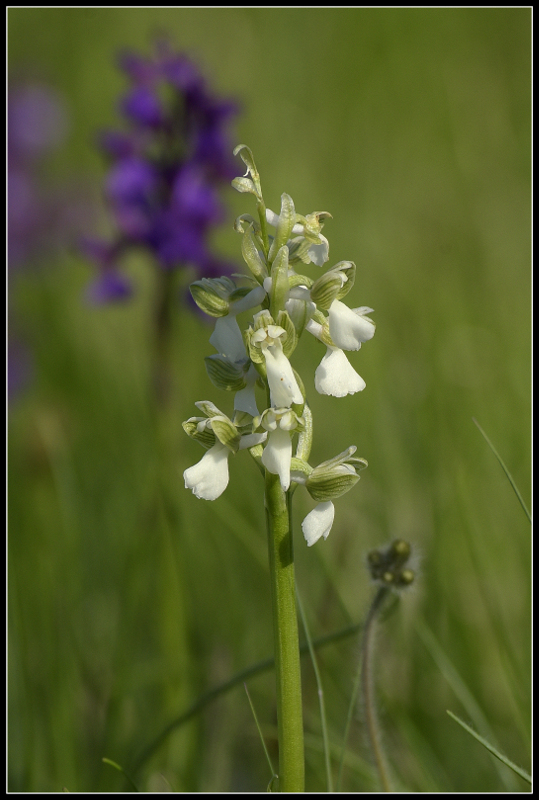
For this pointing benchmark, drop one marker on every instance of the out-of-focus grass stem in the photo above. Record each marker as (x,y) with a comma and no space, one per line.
(367,689)
(364,678)
(320,694)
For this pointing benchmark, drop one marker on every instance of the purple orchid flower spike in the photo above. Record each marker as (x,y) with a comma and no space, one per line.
(166,167)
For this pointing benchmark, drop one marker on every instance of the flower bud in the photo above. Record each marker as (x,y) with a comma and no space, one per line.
(387,565)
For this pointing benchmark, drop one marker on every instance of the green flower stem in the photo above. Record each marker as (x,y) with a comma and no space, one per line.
(286,639)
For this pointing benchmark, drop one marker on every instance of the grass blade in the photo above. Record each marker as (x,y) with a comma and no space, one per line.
(122,770)
(274,776)
(320,693)
(523,774)
(509,476)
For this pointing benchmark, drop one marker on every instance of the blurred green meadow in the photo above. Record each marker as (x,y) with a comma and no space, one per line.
(128,597)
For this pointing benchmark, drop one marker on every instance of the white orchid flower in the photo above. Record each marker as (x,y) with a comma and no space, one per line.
(335,375)
(318,523)
(277,455)
(284,388)
(349,327)
(208,478)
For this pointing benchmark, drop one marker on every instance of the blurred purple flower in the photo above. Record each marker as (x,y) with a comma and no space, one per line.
(37,125)
(37,221)
(165,170)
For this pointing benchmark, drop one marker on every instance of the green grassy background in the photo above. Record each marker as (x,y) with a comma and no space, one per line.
(128,597)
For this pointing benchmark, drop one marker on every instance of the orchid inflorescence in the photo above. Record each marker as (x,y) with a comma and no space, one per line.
(290,303)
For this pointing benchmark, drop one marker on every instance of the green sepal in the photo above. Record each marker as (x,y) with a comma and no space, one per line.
(291,340)
(313,224)
(299,280)
(212,295)
(287,218)
(348,269)
(226,432)
(299,465)
(298,420)
(326,288)
(300,250)
(204,436)
(224,374)
(243,421)
(335,477)
(240,292)
(328,485)
(255,353)
(209,409)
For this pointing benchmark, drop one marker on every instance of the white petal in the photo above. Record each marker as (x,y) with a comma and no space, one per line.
(319,253)
(315,328)
(282,382)
(347,328)
(318,522)
(336,376)
(227,338)
(277,455)
(209,478)
(252,439)
(272,217)
(251,300)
